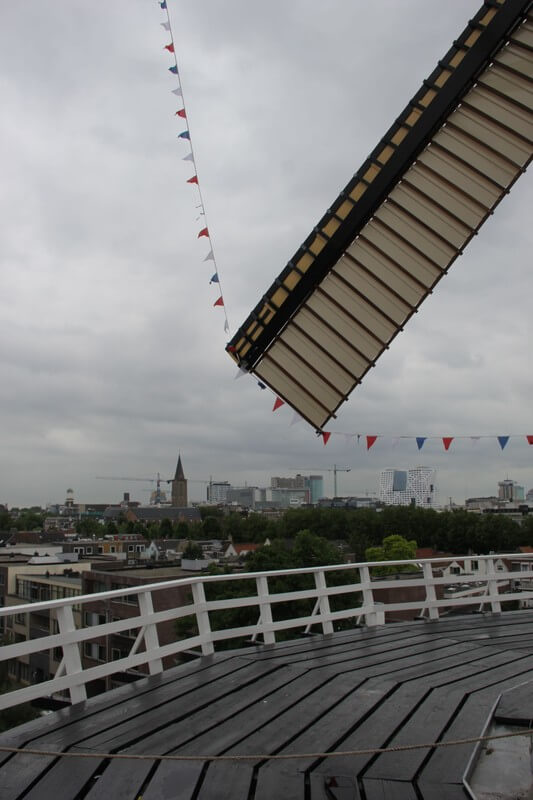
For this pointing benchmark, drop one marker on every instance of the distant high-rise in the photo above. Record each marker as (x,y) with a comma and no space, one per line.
(179,487)
(408,487)
(510,490)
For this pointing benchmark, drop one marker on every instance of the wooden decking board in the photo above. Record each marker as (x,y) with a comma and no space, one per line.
(278,734)
(399,683)
(66,736)
(156,731)
(388,790)
(451,762)
(120,700)
(233,727)
(516,706)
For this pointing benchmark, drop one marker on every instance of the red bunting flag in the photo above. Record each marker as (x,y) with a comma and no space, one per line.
(529,439)
(219,302)
(446,441)
(231,348)
(370,440)
(194,179)
(169,47)
(278,402)
(204,232)
(325,437)
(181,113)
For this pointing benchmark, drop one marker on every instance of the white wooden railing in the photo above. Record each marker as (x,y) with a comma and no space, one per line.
(488,592)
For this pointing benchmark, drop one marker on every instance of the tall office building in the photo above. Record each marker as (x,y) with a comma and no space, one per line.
(510,490)
(314,483)
(408,487)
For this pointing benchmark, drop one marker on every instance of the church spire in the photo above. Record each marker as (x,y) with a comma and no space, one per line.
(180,475)
(179,486)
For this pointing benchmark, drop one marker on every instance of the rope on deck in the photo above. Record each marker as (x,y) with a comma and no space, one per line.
(267,756)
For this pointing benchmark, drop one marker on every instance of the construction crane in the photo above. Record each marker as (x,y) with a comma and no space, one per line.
(158,481)
(333,469)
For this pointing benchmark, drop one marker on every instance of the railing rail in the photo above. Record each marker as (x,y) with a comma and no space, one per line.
(490,587)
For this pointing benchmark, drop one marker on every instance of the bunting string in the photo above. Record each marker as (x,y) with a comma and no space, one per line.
(185,136)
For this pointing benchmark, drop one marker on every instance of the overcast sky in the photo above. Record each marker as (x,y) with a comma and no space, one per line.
(112,354)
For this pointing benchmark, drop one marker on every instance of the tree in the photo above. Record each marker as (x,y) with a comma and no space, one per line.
(165,528)
(192,551)
(89,527)
(393,548)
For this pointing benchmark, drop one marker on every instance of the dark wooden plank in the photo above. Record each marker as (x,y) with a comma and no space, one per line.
(197,712)
(215,740)
(450,762)
(341,692)
(389,790)
(26,768)
(115,698)
(428,723)
(171,782)
(516,706)
(346,727)
(64,780)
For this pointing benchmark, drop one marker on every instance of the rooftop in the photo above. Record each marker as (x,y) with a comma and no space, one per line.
(367,688)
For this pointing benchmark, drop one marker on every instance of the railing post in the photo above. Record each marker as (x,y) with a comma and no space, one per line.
(323,602)
(492,588)
(269,637)
(372,617)
(431,595)
(151,639)
(71,653)
(202,618)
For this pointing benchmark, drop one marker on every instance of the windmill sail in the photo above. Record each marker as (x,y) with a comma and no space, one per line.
(402,220)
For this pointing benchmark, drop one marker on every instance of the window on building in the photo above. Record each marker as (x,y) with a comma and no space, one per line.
(474,565)
(94,651)
(455,570)
(20,619)
(93,618)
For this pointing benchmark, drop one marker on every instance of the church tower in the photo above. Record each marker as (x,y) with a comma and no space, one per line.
(179,487)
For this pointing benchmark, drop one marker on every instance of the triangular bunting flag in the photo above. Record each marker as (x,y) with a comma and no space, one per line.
(529,439)
(278,402)
(296,418)
(177,92)
(420,441)
(219,302)
(181,113)
(209,256)
(204,232)
(325,437)
(370,440)
(188,157)
(214,278)
(240,373)
(348,438)
(446,441)
(503,441)
(475,439)
(184,135)
(169,47)
(165,25)
(231,348)
(261,385)
(163,4)
(194,179)
(173,69)
(395,441)
(226,326)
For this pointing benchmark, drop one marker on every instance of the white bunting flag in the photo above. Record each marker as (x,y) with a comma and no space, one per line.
(209,256)
(240,373)
(296,418)
(165,25)
(177,92)
(226,326)
(188,157)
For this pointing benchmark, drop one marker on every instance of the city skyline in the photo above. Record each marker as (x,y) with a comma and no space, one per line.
(112,353)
